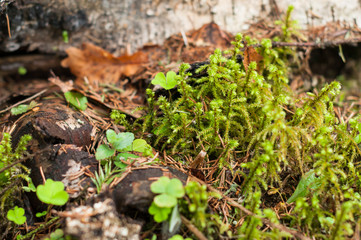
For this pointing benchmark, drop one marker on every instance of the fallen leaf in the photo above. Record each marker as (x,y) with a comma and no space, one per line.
(99,66)
(211,35)
(251,55)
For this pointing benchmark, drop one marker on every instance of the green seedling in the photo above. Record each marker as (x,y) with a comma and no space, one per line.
(123,143)
(105,175)
(65,36)
(52,192)
(22,70)
(22,108)
(76,99)
(121,140)
(41,214)
(168,82)
(169,191)
(58,234)
(16,215)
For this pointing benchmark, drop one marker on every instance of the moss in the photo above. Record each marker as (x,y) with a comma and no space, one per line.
(248,116)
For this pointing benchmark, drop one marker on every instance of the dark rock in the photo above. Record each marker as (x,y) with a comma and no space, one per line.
(61,162)
(132,195)
(54,123)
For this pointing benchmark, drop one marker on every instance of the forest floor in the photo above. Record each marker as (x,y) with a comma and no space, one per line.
(67,111)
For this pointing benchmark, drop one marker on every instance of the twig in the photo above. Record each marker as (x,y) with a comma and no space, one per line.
(193,228)
(25,100)
(11,185)
(38,229)
(14,163)
(233,203)
(8,23)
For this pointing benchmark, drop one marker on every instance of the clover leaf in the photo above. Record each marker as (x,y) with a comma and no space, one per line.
(52,192)
(121,140)
(16,215)
(165,201)
(76,99)
(160,214)
(103,152)
(160,185)
(169,189)
(166,83)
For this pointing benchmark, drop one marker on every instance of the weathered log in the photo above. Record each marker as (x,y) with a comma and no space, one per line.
(129,24)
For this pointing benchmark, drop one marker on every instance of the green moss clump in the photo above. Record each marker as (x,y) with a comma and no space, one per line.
(248,116)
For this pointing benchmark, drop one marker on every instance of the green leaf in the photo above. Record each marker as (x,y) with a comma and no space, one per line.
(16,215)
(165,200)
(76,99)
(31,187)
(175,188)
(125,156)
(358,139)
(140,145)
(56,235)
(159,214)
(40,214)
(160,185)
(175,220)
(103,152)
(22,70)
(308,182)
(166,83)
(22,108)
(121,140)
(52,192)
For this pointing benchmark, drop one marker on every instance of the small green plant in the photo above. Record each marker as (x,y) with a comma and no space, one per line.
(169,191)
(52,192)
(168,82)
(123,143)
(16,215)
(58,234)
(65,36)
(12,176)
(22,108)
(106,175)
(76,99)
(22,70)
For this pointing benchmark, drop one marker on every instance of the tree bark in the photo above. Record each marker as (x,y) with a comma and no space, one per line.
(129,24)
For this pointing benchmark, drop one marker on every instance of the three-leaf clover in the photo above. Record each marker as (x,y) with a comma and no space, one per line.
(119,142)
(168,82)
(159,214)
(169,191)
(52,192)
(16,215)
